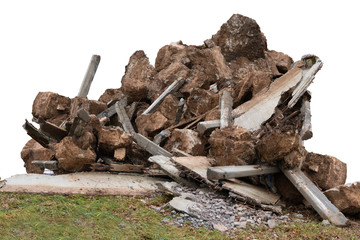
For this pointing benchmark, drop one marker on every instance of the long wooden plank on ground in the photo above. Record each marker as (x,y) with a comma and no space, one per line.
(315,197)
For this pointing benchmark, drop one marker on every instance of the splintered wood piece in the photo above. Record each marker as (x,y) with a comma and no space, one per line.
(51,164)
(179,111)
(109,112)
(52,130)
(306,130)
(130,168)
(150,146)
(35,134)
(89,76)
(124,118)
(207,126)
(172,88)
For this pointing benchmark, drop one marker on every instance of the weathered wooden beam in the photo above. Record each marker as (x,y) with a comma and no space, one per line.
(130,168)
(150,146)
(170,169)
(179,111)
(51,164)
(124,118)
(52,130)
(225,103)
(315,197)
(173,87)
(307,78)
(306,130)
(228,172)
(89,76)
(132,110)
(180,153)
(159,138)
(35,134)
(109,112)
(207,126)
(83,115)
(80,122)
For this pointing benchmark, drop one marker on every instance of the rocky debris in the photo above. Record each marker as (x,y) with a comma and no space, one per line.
(34,151)
(346,198)
(230,99)
(321,169)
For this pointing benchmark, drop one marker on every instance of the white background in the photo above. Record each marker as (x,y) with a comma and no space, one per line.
(47,46)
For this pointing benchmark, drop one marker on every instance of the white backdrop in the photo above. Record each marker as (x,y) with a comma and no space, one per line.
(47,46)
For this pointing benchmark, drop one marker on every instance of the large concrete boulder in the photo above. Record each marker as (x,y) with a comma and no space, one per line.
(111,138)
(346,198)
(51,106)
(232,146)
(325,171)
(186,140)
(34,151)
(240,36)
(151,124)
(277,145)
(138,76)
(71,157)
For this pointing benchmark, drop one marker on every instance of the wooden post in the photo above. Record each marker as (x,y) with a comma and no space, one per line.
(38,136)
(225,103)
(315,197)
(89,76)
(51,164)
(306,131)
(124,118)
(109,112)
(228,172)
(173,87)
(179,111)
(207,126)
(150,146)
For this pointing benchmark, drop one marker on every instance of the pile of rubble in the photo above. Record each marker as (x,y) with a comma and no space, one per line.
(229,114)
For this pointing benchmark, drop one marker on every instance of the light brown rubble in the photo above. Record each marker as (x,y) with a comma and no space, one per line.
(51,106)
(71,157)
(232,146)
(169,107)
(200,101)
(187,141)
(111,94)
(282,61)
(91,106)
(346,198)
(294,159)
(111,138)
(34,151)
(120,154)
(325,171)
(151,124)
(277,145)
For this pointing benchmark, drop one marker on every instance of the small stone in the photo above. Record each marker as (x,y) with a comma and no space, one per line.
(299,215)
(220,227)
(271,223)
(165,220)
(326,222)
(243,224)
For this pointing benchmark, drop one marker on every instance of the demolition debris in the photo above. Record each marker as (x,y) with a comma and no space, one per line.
(229,115)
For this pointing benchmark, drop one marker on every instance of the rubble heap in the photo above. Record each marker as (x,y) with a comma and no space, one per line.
(230,102)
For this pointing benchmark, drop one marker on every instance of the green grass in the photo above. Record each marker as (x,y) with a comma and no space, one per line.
(30,216)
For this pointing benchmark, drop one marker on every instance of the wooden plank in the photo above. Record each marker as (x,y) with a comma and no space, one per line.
(109,112)
(159,138)
(170,169)
(228,172)
(124,118)
(52,130)
(180,153)
(35,134)
(306,130)
(89,76)
(253,113)
(315,197)
(179,111)
(225,103)
(172,88)
(51,164)
(150,146)
(206,127)
(130,168)
(307,79)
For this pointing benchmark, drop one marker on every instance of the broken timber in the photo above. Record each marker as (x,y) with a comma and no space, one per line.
(226,103)
(35,134)
(170,169)
(206,127)
(173,87)
(315,197)
(51,130)
(126,168)
(228,172)
(179,111)
(109,112)
(51,164)
(124,118)
(89,76)
(150,146)
(306,131)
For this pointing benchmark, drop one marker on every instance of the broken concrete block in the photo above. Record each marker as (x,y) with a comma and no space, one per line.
(282,61)
(213,114)
(151,124)
(173,72)
(200,101)
(111,94)
(325,171)
(174,52)
(120,154)
(346,198)
(72,158)
(277,145)
(34,151)
(186,140)
(294,159)
(169,107)
(111,138)
(91,106)
(240,36)
(232,146)
(51,106)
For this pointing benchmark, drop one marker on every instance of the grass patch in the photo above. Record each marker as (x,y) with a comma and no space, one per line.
(30,216)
